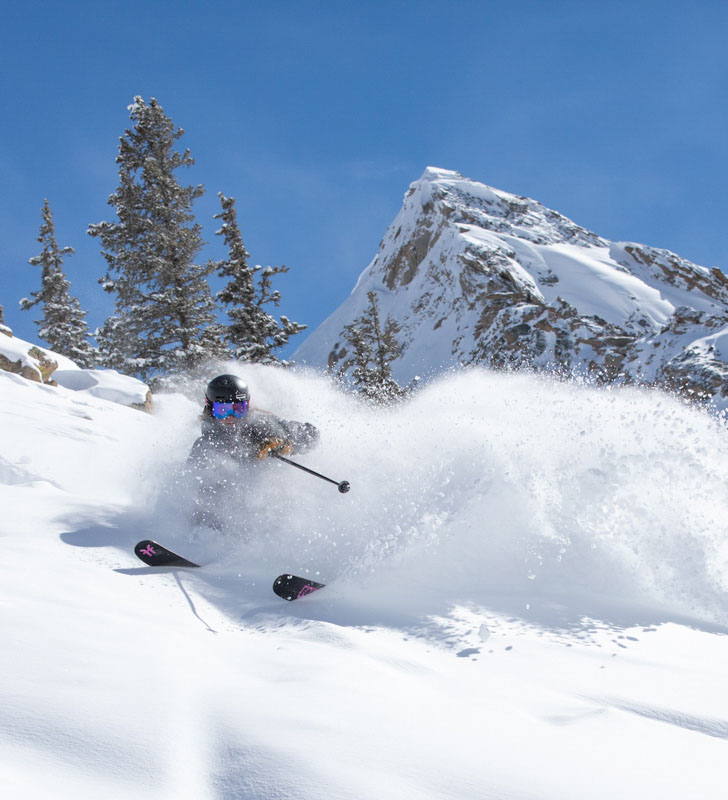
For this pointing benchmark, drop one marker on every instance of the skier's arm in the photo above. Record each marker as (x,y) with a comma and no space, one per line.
(304,436)
(294,437)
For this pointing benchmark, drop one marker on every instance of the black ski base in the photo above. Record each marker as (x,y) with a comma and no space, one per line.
(291,587)
(155,555)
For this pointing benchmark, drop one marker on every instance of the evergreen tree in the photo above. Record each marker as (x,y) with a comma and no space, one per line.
(164,318)
(374,346)
(63,325)
(252,333)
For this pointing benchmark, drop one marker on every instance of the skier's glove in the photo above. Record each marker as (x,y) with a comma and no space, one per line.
(275,446)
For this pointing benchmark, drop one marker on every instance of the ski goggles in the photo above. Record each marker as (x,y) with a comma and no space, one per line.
(224,410)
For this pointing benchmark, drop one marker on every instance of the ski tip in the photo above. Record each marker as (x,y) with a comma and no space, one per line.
(146,548)
(154,554)
(291,587)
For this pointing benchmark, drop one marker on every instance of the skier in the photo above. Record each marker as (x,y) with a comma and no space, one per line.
(234,438)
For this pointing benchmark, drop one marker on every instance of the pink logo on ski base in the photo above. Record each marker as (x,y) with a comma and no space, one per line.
(307,589)
(149,551)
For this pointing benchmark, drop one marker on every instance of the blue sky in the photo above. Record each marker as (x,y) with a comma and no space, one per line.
(316,116)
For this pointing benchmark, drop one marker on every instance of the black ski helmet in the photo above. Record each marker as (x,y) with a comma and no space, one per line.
(227,389)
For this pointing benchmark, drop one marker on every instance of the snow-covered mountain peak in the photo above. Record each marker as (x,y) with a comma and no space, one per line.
(468,202)
(473,274)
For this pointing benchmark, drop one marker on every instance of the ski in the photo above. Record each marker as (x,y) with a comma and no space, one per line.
(155,555)
(291,587)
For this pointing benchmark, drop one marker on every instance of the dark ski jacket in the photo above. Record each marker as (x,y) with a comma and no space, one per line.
(243,441)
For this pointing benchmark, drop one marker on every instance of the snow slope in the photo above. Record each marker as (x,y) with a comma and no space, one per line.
(527,599)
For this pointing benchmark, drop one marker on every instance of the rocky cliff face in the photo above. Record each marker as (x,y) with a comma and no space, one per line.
(474,275)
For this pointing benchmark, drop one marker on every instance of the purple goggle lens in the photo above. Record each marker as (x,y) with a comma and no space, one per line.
(223,410)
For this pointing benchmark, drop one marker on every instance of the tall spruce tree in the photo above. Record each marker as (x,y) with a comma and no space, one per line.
(63,324)
(252,333)
(164,320)
(374,346)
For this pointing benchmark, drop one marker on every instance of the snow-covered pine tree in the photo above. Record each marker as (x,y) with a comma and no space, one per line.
(164,318)
(374,346)
(252,333)
(63,324)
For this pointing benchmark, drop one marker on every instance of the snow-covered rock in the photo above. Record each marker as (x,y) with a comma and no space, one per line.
(476,275)
(28,360)
(45,366)
(107,384)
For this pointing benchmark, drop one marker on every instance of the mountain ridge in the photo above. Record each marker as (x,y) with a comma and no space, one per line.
(476,275)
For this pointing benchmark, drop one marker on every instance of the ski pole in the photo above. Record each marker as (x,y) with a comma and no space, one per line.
(343,486)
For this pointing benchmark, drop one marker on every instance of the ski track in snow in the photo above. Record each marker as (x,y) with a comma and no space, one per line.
(708,726)
(526,598)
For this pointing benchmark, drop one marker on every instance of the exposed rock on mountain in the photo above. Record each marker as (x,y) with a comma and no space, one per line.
(474,275)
